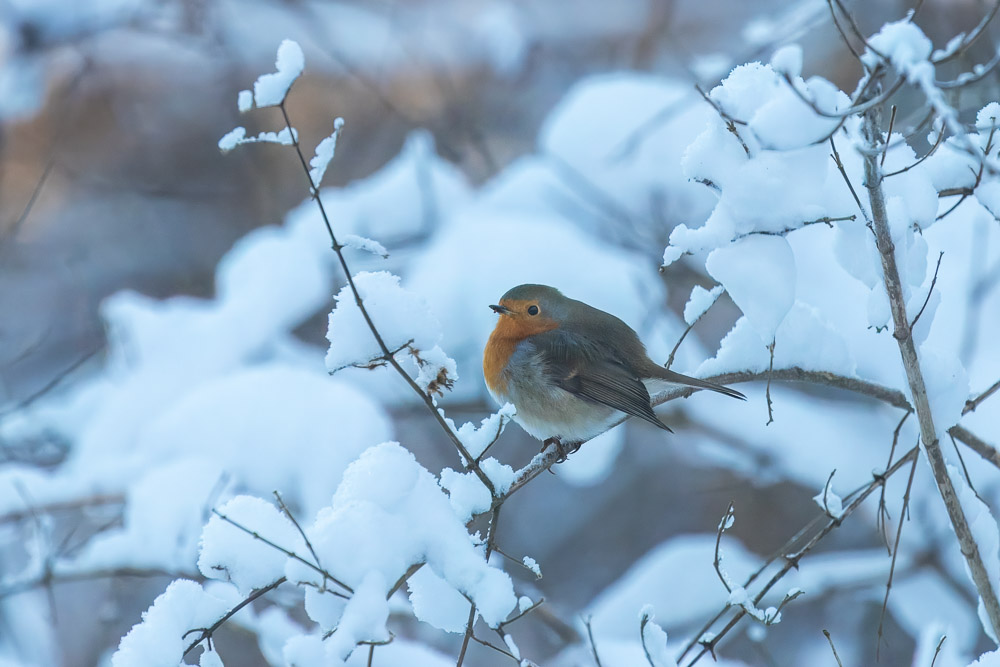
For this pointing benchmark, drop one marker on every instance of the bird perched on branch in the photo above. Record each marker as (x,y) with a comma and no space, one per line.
(570,369)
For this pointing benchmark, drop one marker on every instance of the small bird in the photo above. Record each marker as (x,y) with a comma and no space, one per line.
(570,369)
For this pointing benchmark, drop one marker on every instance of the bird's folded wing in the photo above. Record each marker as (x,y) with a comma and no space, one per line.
(607,383)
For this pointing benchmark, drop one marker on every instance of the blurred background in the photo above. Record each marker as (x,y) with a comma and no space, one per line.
(111,180)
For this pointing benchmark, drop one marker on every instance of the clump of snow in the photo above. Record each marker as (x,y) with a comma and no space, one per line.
(700,301)
(238,136)
(947,385)
(988,659)
(758,272)
(788,60)
(401,317)
(467,493)
(437,371)
(244,101)
(436,602)
(984,529)
(232,139)
(363,619)
(270,89)
(654,640)
(902,42)
(324,154)
(804,339)
(532,565)
(229,552)
(365,244)
(830,502)
(476,440)
(162,636)
(388,514)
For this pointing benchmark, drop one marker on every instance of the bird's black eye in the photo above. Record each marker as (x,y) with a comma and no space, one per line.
(532,310)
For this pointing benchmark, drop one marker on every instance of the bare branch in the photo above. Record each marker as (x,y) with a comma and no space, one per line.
(593,644)
(976,444)
(915,379)
(895,554)
(843,172)
(973,403)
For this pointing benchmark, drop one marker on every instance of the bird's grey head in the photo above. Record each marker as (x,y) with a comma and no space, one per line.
(533,300)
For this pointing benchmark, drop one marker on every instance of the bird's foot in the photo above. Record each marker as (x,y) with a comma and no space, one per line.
(564,449)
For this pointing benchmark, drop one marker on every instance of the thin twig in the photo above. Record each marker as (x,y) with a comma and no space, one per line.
(490,545)
(965,471)
(895,555)
(973,403)
(885,149)
(937,650)
(673,351)
(291,517)
(724,525)
(843,172)
(206,633)
(883,512)
(833,648)
(291,554)
(767,391)
(976,444)
(931,151)
(971,38)
(929,291)
(593,644)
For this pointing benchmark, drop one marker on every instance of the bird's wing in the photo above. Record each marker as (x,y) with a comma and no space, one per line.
(583,369)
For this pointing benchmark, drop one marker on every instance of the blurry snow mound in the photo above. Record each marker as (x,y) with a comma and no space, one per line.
(482,254)
(678,569)
(403,200)
(625,133)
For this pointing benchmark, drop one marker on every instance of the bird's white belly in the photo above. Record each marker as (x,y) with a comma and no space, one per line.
(546,411)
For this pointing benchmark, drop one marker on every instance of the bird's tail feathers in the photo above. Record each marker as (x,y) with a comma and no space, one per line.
(677,378)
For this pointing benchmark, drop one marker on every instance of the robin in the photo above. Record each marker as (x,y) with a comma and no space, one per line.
(570,369)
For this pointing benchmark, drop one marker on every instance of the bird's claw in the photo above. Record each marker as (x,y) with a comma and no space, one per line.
(564,449)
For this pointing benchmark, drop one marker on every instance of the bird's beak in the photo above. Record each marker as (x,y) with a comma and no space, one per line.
(501,310)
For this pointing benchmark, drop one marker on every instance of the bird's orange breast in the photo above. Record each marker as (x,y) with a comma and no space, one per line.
(509,331)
